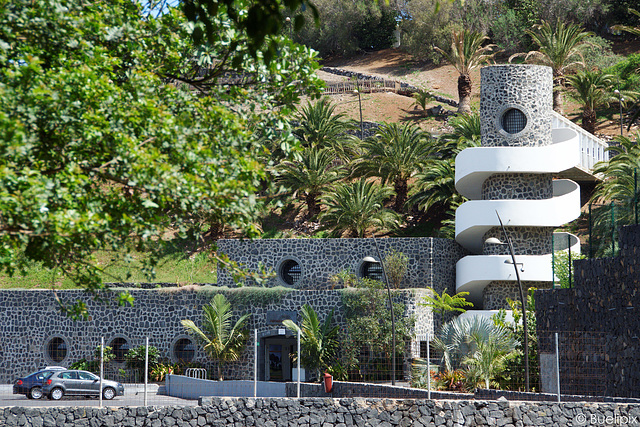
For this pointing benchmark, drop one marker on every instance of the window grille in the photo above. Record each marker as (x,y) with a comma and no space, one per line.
(513,121)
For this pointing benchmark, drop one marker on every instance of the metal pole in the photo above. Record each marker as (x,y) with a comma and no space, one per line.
(428,369)
(298,367)
(393,320)
(590,236)
(146,368)
(613,229)
(524,305)
(255,363)
(101,367)
(557,368)
(570,263)
(553,262)
(360,106)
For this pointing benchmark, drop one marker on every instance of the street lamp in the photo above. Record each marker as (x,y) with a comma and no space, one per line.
(290,25)
(393,318)
(621,100)
(509,243)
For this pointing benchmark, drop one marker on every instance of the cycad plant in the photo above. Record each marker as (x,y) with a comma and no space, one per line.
(467,53)
(394,154)
(310,176)
(220,339)
(355,207)
(559,47)
(318,341)
(320,126)
(422,99)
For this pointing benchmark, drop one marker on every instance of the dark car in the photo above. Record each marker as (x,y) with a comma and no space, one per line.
(31,385)
(79,383)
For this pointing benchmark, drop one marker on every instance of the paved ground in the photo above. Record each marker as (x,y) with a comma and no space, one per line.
(133,396)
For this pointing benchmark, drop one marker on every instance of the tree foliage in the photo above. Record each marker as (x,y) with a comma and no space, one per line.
(115,127)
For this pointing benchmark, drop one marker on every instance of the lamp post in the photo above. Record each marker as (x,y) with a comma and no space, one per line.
(393,318)
(290,25)
(509,243)
(620,101)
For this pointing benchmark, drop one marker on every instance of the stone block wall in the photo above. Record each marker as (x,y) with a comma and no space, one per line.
(31,321)
(431,261)
(332,413)
(603,312)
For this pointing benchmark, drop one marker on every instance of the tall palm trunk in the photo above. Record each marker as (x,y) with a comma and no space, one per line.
(589,120)
(558,87)
(401,189)
(464,94)
(312,203)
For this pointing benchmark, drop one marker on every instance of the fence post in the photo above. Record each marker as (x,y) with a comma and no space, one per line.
(557,367)
(298,392)
(428,369)
(101,368)
(255,363)
(146,367)
(635,193)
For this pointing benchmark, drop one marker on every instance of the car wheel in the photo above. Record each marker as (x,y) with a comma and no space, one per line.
(108,393)
(35,393)
(56,394)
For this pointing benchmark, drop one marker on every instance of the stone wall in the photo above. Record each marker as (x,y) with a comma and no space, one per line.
(31,321)
(432,261)
(602,311)
(332,413)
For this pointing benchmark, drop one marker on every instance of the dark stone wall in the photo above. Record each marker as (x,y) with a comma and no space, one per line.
(602,312)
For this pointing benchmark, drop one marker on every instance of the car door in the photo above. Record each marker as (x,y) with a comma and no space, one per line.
(89,383)
(69,380)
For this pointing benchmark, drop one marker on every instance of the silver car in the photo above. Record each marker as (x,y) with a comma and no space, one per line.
(79,383)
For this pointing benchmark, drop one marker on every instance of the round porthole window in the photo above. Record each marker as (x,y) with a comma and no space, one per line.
(371,270)
(513,121)
(120,347)
(290,272)
(184,350)
(57,349)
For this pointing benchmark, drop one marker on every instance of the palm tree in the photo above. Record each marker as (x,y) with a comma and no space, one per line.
(467,53)
(558,48)
(636,31)
(318,341)
(219,340)
(394,154)
(313,174)
(320,127)
(490,356)
(357,206)
(591,88)
(422,98)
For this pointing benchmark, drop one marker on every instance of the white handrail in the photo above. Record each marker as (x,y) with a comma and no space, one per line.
(592,148)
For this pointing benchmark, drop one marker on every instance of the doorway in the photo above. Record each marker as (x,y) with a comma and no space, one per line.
(279,352)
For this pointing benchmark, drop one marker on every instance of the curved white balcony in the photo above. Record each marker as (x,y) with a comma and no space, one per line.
(475,272)
(474,218)
(474,165)
(563,241)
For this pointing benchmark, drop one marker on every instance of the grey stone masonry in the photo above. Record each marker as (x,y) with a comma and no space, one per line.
(325,412)
(432,261)
(527,88)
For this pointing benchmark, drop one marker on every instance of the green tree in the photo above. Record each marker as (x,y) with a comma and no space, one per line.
(318,343)
(466,53)
(395,265)
(394,154)
(559,47)
(422,99)
(592,89)
(135,358)
(108,140)
(356,207)
(220,339)
(490,356)
(310,176)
